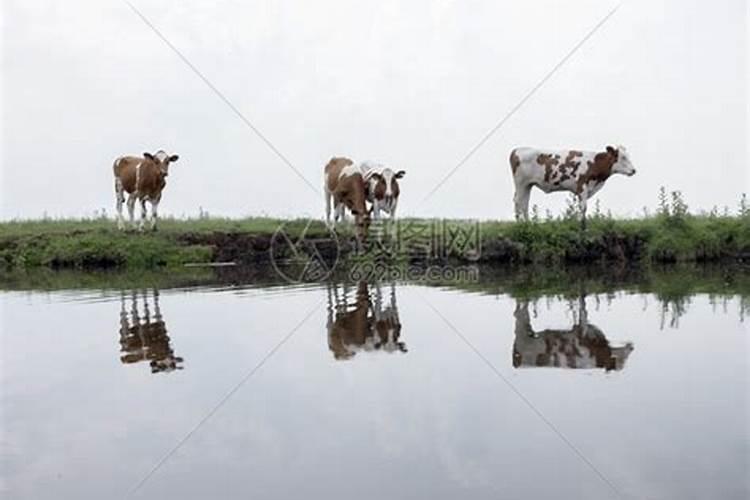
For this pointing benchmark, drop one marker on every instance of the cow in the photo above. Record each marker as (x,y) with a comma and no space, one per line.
(344,185)
(143,179)
(143,338)
(387,324)
(382,188)
(580,172)
(362,326)
(583,346)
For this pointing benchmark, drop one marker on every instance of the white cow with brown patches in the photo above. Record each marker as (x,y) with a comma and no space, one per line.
(344,187)
(382,188)
(367,325)
(582,346)
(581,172)
(143,179)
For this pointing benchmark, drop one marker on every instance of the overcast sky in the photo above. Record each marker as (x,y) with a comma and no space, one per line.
(413,84)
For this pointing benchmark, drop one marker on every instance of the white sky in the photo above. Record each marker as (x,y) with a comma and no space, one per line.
(412,84)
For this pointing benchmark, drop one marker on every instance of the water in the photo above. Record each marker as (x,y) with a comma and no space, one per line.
(522,386)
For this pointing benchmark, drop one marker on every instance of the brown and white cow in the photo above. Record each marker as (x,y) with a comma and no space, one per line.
(387,324)
(382,187)
(143,338)
(363,326)
(583,346)
(344,185)
(580,172)
(143,179)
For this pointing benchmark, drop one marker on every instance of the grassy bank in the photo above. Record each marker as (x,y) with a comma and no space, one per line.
(672,286)
(97,244)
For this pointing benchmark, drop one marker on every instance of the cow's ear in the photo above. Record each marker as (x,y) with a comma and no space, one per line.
(400,174)
(174,158)
(149,156)
(611,150)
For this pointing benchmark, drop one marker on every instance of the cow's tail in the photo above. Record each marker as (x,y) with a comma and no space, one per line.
(116,167)
(515,161)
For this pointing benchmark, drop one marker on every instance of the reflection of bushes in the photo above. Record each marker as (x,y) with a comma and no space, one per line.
(673,286)
(673,309)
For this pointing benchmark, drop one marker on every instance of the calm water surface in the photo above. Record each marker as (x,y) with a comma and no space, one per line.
(373,390)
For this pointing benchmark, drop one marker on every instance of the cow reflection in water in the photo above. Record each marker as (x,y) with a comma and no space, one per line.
(582,346)
(368,325)
(143,337)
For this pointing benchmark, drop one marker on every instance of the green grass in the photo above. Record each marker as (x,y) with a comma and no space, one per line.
(167,226)
(96,243)
(654,239)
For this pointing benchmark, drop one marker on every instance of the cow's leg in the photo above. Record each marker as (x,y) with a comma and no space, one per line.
(394,229)
(582,203)
(120,198)
(344,216)
(157,310)
(335,212)
(329,308)
(124,321)
(154,212)
(131,208)
(327,196)
(521,202)
(144,214)
(134,318)
(583,315)
(377,207)
(340,211)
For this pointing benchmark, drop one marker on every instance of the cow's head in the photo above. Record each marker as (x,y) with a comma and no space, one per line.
(352,194)
(385,184)
(622,164)
(162,160)
(361,220)
(167,364)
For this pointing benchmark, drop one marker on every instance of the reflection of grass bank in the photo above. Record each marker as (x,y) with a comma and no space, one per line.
(96,244)
(668,282)
(526,281)
(672,285)
(66,279)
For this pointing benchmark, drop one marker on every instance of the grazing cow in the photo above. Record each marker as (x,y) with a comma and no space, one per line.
(584,346)
(580,172)
(387,324)
(143,179)
(343,183)
(382,188)
(363,328)
(144,339)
